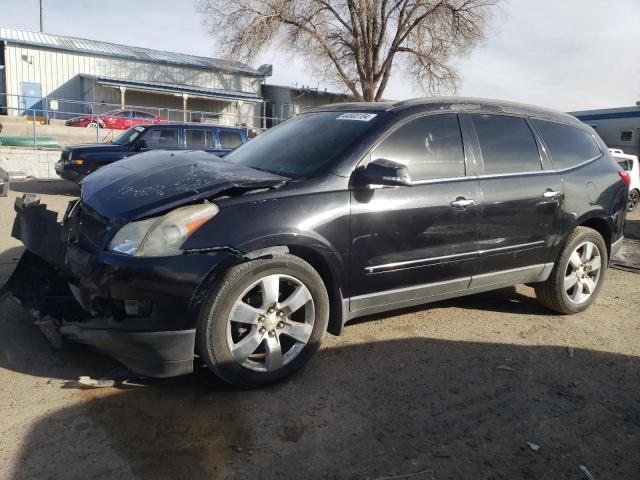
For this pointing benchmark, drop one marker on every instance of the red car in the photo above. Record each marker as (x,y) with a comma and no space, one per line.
(116,119)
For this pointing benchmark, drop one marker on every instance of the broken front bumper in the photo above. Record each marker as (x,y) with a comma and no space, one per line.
(141,311)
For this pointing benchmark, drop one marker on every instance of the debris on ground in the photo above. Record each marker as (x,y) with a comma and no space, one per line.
(533,446)
(505,367)
(570,351)
(114,378)
(586,472)
(96,383)
(407,475)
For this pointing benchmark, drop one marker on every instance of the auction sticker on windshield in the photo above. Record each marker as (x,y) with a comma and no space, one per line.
(361,117)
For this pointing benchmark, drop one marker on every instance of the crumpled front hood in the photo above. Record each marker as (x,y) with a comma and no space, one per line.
(154,182)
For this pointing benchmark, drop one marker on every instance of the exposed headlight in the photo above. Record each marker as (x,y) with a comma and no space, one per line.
(162,236)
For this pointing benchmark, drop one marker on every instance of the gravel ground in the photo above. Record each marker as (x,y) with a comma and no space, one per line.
(452,390)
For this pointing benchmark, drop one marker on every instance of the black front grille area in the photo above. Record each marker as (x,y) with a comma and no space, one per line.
(91,230)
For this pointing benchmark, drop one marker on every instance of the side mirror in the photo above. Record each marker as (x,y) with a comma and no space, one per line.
(383,172)
(141,144)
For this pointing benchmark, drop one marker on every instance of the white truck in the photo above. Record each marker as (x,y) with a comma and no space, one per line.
(630,164)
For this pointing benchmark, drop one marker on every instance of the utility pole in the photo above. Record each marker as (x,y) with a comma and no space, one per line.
(42,16)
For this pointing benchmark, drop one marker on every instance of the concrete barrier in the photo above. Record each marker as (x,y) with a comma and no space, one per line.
(23,162)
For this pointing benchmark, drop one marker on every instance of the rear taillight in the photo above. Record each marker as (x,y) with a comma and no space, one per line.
(626,177)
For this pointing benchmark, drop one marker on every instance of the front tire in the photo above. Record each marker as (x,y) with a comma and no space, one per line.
(263,321)
(578,275)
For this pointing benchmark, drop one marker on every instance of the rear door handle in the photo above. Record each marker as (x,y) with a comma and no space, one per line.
(462,203)
(551,194)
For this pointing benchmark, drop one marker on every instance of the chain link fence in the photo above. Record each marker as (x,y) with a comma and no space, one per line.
(50,123)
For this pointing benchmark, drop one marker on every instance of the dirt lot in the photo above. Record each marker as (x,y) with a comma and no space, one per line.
(454,390)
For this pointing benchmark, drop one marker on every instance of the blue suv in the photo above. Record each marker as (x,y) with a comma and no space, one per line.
(78,161)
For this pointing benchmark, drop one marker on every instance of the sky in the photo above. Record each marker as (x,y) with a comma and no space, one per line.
(564,54)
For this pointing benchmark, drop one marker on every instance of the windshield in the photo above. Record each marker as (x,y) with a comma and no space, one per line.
(129,136)
(304,145)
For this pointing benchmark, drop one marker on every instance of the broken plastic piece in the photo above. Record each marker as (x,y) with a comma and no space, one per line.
(586,472)
(96,383)
(533,446)
(49,328)
(112,379)
(505,367)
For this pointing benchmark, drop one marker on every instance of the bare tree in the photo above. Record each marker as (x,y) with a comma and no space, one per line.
(356,43)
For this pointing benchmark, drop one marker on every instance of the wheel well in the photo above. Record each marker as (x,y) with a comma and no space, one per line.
(332,284)
(602,227)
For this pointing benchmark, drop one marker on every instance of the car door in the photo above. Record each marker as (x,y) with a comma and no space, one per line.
(121,120)
(418,241)
(522,201)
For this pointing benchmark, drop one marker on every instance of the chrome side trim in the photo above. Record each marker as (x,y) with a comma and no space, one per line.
(457,256)
(539,172)
(442,180)
(426,293)
(409,263)
(489,251)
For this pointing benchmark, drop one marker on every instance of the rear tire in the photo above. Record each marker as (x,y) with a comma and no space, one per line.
(263,321)
(578,275)
(632,202)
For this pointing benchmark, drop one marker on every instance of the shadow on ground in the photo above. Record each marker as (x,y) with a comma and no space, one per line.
(46,187)
(457,409)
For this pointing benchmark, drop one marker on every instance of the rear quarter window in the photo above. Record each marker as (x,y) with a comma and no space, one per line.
(568,146)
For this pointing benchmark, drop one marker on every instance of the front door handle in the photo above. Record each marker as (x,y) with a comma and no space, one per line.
(462,203)
(551,194)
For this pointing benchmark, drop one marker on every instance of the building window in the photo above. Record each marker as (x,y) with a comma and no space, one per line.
(626,135)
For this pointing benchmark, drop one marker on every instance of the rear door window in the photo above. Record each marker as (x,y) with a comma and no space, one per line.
(568,146)
(229,138)
(199,138)
(162,138)
(507,144)
(430,147)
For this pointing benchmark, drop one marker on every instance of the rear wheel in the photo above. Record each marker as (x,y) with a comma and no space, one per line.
(92,125)
(264,321)
(578,274)
(634,198)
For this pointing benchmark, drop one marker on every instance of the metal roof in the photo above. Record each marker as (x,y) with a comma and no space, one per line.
(173,88)
(96,47)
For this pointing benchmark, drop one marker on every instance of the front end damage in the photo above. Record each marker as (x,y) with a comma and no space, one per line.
(141,311)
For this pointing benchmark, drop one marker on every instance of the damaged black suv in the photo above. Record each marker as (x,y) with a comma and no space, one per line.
(170,258)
